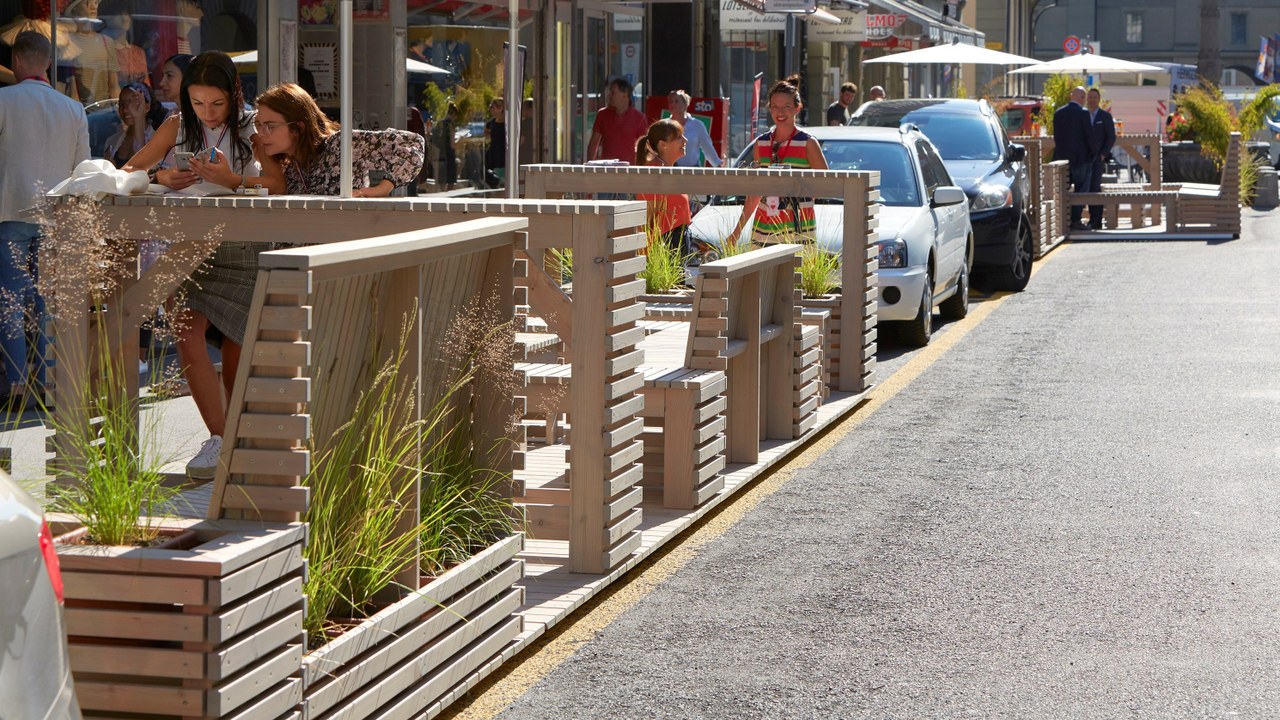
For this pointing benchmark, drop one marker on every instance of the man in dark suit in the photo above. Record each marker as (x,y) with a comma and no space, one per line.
(1073,142)
(1103,129)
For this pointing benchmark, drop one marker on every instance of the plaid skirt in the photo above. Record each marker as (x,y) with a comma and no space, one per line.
(222,288)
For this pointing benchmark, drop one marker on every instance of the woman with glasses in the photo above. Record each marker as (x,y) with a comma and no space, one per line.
(296,136)
(781,219)
(213,126)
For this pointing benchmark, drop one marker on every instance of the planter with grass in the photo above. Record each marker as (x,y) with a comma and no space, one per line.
(205,630)
(818,279)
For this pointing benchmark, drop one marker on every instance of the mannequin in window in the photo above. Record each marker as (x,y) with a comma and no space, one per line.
(118,29)
(189,17)
(34,16)
(96,74)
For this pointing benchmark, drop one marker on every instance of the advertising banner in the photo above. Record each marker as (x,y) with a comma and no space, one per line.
(881,26)
(735,18)
(852,28)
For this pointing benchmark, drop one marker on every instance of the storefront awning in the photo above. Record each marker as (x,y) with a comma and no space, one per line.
(936,28)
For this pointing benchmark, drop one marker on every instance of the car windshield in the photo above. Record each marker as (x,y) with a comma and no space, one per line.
(957,137)
(897,176)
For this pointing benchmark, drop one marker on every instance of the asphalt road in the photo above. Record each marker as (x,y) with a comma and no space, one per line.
(1073,512)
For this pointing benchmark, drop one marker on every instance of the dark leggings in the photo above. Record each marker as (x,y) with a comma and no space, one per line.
(675,238)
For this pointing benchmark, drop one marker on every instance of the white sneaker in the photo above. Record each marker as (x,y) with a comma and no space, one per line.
(203,465)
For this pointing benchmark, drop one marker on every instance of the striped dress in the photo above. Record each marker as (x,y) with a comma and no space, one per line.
(783,216)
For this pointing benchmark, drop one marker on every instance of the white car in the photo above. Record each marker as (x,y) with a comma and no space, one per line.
(926,241)
(35,673)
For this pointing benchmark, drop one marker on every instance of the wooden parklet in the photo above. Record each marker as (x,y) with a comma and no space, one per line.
(438,638)
(859,261)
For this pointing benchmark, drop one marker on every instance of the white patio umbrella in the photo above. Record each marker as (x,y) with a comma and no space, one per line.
(1088,64)
(410,65)
(954,54)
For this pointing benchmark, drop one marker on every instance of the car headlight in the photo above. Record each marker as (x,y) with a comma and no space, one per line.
(893,253)
(992,196)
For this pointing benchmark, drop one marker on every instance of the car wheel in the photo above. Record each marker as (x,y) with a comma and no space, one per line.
(956,307)
(1018,273)
(917,332)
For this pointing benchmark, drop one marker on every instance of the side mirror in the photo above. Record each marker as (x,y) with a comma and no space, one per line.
(1017,153)
(948,195)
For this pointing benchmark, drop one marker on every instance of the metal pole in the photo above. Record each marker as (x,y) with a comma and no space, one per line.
(344,90)
(53,40)
(515,101)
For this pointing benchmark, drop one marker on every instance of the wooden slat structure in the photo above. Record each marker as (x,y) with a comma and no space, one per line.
(1214,208)
(310,324)
(856,324)
(1045,206)
(212,629)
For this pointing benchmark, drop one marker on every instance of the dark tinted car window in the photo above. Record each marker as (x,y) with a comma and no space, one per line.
(898,184)
(957,137)
(934,163)
(932,180)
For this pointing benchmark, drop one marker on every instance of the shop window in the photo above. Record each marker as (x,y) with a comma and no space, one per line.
(1133,28)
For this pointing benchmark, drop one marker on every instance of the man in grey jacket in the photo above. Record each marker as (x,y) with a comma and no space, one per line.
(43,136)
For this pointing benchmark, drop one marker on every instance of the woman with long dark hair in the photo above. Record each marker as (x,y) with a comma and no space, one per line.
(214,126)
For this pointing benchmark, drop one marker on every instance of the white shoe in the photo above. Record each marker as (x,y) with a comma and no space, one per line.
(203,465)
(143,367)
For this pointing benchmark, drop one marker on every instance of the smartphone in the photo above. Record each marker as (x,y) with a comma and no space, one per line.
(184,160)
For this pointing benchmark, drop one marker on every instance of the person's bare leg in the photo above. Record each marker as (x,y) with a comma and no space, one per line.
(197,366)
(230,362)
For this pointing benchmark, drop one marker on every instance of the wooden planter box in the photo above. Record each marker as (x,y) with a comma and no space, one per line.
(411,654)
(830,336)
(214,631)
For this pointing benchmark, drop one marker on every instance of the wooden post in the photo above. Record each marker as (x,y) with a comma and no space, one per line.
(857,281)
(744,370)
(779,353)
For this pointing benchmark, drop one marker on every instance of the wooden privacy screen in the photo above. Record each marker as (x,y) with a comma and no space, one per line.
(317,312)
(855,361)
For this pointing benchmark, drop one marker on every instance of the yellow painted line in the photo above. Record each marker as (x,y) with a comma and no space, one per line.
(501,690)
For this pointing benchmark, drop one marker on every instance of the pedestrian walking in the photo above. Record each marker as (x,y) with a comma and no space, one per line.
(44,135)
(443,151)
(1103,128)
(838,111)
(618,125)
(664,145)
(698,140)
(1073,142)
(782,219)
(216,136)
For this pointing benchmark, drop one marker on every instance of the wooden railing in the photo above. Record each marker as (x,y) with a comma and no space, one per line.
(858,190)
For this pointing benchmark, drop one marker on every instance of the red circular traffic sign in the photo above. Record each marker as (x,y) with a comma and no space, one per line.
(1071,45)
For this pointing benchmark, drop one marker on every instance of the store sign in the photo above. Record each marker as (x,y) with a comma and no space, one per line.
(882,26)
(736,18)
(790,6)
(852,28)
(626,22)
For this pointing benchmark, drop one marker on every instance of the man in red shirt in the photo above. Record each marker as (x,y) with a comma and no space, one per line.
(618,126)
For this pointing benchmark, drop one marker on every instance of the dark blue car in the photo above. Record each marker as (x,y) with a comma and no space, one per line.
(978,155)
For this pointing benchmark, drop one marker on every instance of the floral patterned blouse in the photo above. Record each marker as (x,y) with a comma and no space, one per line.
(398,154)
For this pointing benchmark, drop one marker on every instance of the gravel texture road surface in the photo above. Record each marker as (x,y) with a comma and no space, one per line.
(1074,512)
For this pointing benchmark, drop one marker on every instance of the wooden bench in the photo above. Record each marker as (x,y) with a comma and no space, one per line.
(744,340)
(1213,207)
